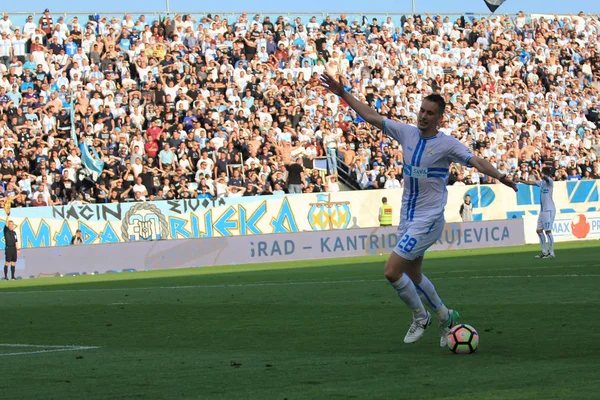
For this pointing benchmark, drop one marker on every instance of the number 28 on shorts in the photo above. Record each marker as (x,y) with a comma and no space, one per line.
(406,244)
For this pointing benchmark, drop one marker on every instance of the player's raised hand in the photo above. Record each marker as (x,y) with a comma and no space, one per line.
(331,84)
(505,180)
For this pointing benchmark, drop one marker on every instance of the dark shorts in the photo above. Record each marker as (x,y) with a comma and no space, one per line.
(11,254)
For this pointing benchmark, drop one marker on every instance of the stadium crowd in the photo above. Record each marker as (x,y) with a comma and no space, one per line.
(182,108)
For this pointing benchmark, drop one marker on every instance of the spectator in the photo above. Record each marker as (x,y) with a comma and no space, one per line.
(296,178)
(77,239)
(332,184)
(140,189)
(38,200)
(234,191)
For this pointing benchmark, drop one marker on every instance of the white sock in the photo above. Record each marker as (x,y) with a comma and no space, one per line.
(429,296)
(543,242)
(550,243)
(407,292)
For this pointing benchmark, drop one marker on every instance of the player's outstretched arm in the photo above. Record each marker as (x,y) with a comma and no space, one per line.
(537,177)
(366,112)
(488,169)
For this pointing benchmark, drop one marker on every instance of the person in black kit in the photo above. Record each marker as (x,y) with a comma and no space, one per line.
(11,251)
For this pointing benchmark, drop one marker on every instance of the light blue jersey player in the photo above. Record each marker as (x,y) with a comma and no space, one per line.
(426,162)
(427,157)
(547,213)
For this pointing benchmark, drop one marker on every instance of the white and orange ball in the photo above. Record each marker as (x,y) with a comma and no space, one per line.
(463,339)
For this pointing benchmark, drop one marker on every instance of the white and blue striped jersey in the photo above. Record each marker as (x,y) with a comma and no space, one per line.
(546,185)
(426,169)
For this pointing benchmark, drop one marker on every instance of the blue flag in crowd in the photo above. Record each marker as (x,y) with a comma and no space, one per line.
(493,4)
(94,164)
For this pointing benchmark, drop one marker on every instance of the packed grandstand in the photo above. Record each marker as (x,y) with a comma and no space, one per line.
(179,107)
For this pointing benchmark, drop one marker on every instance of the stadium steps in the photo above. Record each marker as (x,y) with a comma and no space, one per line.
(345,175)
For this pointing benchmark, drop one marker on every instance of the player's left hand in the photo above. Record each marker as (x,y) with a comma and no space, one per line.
(509,182)
(331,84)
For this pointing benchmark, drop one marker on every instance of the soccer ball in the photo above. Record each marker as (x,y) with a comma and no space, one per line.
(463,339)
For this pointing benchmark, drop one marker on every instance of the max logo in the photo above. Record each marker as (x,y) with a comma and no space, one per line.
(580,226)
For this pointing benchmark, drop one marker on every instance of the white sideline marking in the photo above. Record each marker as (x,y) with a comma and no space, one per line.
(51,348)
(47,346)
(290,283)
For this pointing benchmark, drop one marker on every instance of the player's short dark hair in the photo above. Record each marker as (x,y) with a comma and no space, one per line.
(384,199)
(438,100)
(547,171)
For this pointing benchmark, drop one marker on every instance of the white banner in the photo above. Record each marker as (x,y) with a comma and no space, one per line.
(567,227)
(251,216)
(169,254)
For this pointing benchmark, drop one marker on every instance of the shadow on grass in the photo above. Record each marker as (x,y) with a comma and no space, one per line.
(355,268)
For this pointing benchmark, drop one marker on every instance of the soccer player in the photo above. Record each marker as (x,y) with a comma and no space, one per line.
(427,158)
(547,210)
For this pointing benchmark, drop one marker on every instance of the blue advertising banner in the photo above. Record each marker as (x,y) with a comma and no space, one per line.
(201,218)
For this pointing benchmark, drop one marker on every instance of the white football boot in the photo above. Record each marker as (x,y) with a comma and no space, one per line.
(417,329)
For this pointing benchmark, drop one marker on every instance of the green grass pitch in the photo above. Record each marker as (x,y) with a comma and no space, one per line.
(323,329)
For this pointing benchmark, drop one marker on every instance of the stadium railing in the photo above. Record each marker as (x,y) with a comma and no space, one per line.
(344,173)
